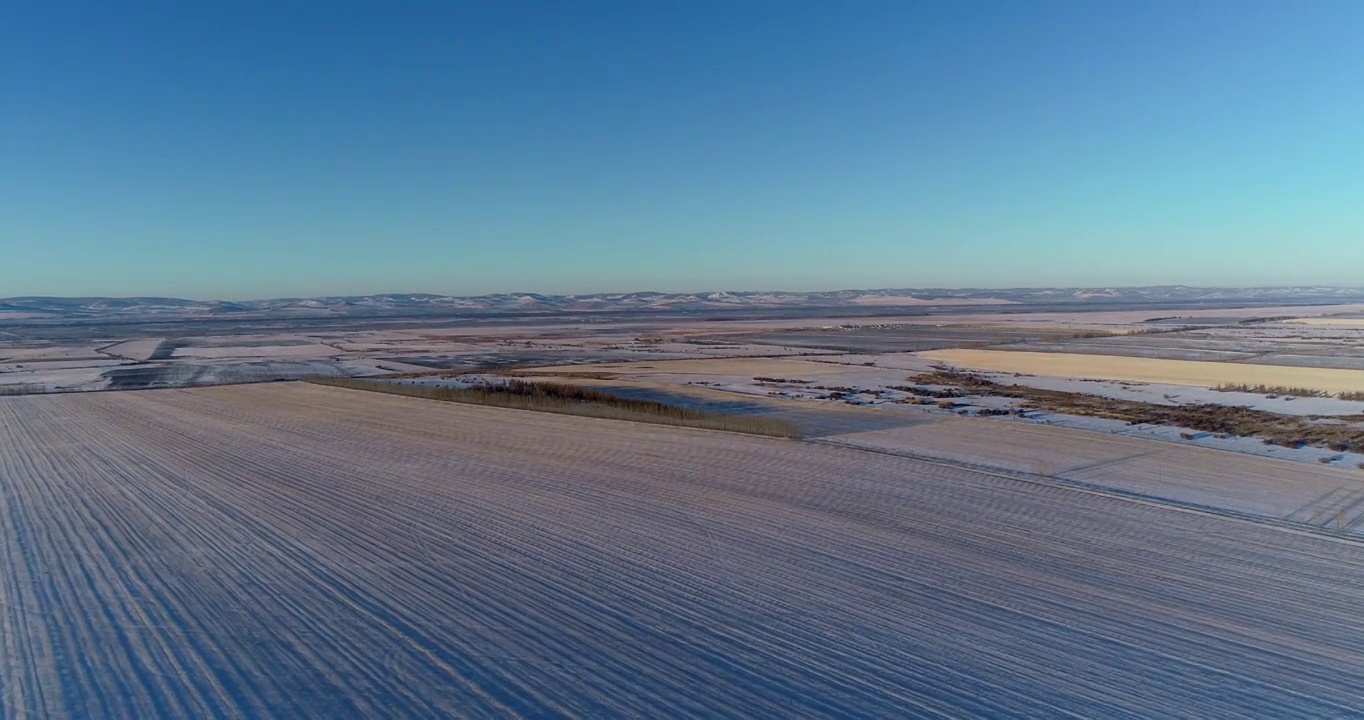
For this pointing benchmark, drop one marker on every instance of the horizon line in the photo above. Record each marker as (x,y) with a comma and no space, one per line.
(977,289)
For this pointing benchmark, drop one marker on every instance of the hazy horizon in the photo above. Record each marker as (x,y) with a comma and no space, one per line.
(258,151)
(795,291)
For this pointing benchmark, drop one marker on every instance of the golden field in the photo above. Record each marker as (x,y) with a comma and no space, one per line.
(1330,322)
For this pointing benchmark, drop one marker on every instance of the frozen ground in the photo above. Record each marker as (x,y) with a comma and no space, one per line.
(254,357)
(1164,394)
(1137,317)
(1325,497)
(212,348)
(136,350)
(296,551)
(1134,369)
(1264,343)
(839,380)
(24,354)
(59,379)
(714,356)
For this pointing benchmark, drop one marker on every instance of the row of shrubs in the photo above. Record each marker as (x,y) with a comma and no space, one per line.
(1274,390)
(571,399)
(1271,390)
(929,392)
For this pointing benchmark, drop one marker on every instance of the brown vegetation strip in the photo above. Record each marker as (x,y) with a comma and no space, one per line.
(1288,430)
(575,400)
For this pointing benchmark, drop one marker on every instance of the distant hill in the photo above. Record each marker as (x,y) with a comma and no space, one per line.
(424,303)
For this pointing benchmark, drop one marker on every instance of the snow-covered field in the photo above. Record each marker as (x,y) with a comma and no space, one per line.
(1137,369)
(1254,479)
(139,350)
(58,379)
(715,356)
(1139,318)
(297,552)
(22,354)
(1166,394)
(257,351)
(850,380)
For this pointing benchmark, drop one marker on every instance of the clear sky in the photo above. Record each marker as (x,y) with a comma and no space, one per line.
(257,149)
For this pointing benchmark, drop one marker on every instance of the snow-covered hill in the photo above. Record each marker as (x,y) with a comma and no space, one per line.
(425,303)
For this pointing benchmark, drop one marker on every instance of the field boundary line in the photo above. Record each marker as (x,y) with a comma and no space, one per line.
(1266,521)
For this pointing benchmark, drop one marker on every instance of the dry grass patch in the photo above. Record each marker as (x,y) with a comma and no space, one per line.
(1331,321)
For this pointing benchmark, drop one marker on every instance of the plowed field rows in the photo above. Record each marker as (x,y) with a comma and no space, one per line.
(301,551)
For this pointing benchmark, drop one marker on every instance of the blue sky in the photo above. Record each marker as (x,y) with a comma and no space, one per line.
(283,148)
